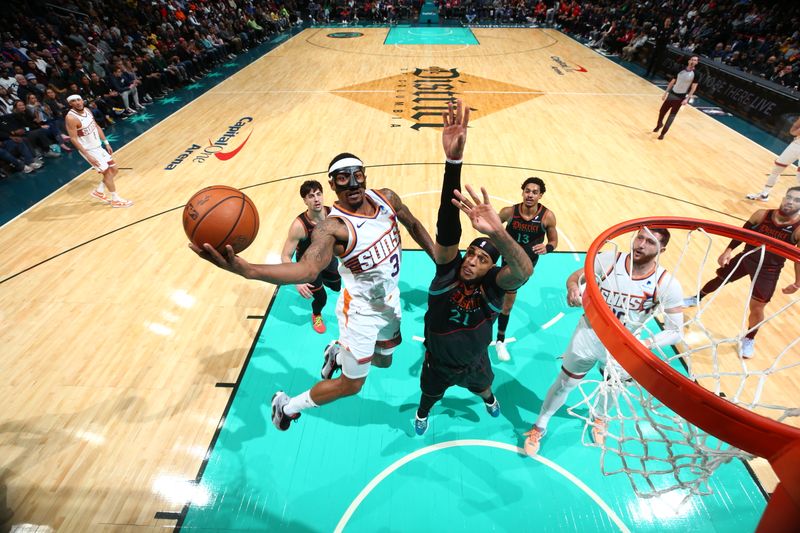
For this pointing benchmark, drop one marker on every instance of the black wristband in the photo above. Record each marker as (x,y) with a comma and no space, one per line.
(549,248)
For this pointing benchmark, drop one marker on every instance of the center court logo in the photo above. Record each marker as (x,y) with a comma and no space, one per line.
(224,148)
(420,95)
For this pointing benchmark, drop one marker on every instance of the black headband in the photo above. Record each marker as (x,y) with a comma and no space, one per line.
(487,246)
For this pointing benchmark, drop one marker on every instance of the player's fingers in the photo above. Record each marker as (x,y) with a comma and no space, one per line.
(472,194)
(445,118)
(458,111)
(229,253)
(485,195)
(462,200)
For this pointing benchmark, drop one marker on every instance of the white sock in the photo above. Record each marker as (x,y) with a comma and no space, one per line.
(115,196)
(101,188)
(298,403)
(772,179)
(338,356)
(556,397)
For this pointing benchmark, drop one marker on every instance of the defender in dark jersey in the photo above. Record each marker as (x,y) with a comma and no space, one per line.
(528,222)
(299,239)
(782,224)
(467,291)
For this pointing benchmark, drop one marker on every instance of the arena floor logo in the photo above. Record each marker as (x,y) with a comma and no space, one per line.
(561,67)
(220,148)
(420,95)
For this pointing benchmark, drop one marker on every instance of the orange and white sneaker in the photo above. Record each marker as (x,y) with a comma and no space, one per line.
(599,431)
(100,196)
(121,203)
(317,323)
(532,440)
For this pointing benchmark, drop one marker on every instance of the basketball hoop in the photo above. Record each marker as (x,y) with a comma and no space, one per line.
(748,431)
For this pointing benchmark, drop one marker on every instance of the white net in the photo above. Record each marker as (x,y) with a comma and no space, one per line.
(658,450)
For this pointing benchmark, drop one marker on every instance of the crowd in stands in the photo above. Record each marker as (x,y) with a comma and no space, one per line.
(118,55)
(758,37)
(761,37)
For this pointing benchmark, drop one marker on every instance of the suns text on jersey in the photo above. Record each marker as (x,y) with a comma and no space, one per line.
(633,302)
(377,252)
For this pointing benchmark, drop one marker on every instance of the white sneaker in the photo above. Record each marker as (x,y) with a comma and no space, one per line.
(122,202)
(758,196)
(747,348)
(36,164)
(27,169)
(502,351)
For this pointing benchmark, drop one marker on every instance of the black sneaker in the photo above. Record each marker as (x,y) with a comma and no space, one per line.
(280,419)
(330,365)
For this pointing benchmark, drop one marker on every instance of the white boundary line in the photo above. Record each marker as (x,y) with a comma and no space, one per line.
(148,130)
(475,442)
(553,320)
(704,114)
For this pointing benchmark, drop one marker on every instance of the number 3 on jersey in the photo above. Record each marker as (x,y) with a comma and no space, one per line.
(395,260)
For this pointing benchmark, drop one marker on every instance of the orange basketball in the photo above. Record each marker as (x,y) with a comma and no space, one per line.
(221,215)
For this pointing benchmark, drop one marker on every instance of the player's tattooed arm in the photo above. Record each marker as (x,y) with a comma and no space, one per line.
(410,222)
(486,220)
(315,259)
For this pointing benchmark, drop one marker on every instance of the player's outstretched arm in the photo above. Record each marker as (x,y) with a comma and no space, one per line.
(485,219)
(448,222)
(409,221)
(317,256)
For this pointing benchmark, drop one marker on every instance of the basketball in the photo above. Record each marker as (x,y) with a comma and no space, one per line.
(221,215)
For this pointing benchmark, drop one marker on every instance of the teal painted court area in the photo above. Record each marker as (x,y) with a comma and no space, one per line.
(357,465)
(429,36)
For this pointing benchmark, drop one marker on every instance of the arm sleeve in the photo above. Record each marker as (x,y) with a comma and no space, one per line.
(448,221)
(673,322)
(672,332)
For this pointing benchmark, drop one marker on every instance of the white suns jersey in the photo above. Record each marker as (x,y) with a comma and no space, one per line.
(370,265)
(87,132)
(634,300)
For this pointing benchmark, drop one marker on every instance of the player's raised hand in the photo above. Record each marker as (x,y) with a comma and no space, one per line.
(305,290)
(230,261)
(480,212)
(454,132)
(724,258)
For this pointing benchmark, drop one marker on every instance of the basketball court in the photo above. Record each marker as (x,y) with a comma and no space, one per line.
(138,378)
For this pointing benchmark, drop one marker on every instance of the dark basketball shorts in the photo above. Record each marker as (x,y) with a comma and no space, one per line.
(764,284)
(436,378)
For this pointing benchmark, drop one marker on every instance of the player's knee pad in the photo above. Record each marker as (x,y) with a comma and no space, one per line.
(385,351)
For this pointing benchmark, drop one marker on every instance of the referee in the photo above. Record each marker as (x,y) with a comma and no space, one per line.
(466,294)
(679,91)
